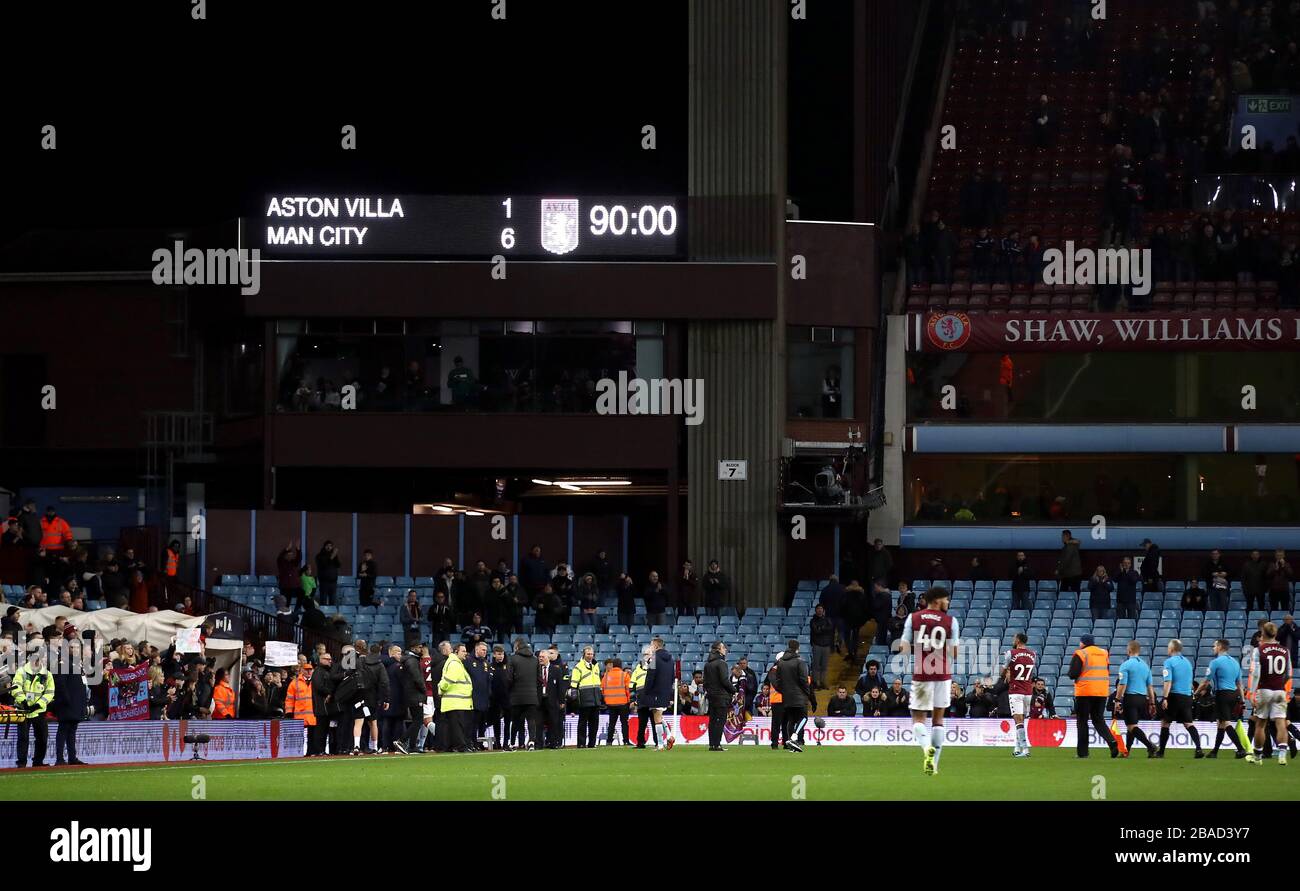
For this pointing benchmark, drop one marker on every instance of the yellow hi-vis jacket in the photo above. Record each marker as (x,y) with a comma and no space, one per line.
(33,690)
(456,688)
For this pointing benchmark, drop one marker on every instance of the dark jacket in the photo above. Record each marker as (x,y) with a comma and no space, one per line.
(441,622)
(660,681)
(412,680)
(716,586)
(626,598)
(821,631)
(842,708)
(1126,586)
(1151,566)
(792,681)
(1099,591)
(656,601)
(500,682)
(70,697)
(327,567)
(957,707)
(982,705)
(1068,563)
(480,681)
(866,683)
(1254,577)
(534,574)
(1021,576)
(323,681)
(832,599)
(395,699)
(898,705)
(373,678)
(603,570)
(524,678)
(717,679)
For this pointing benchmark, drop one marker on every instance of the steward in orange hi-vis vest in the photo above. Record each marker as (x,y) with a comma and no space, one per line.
(297,699)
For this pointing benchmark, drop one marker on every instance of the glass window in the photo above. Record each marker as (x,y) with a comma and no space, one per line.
(1069,387)
(819,372)
(462,366)
(1054,489)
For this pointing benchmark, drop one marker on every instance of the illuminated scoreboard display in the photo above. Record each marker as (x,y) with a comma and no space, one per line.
(528,227)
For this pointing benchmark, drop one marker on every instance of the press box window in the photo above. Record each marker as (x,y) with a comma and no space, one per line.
(819,372)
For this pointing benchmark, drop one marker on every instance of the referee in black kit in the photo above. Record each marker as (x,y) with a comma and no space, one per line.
(720,690)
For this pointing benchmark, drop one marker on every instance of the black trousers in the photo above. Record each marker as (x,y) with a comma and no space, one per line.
(454,725)
(618,714)
(1256,600)
(318,736)
(796,716)
(718,706)
(1090,709)
(342,733)
(526,717)
(66,742)
(469,725)
(1278,600)
(414,721)
(644,720)
(499,720)
(26,729)
(553,720)
(778,724)
(588,724)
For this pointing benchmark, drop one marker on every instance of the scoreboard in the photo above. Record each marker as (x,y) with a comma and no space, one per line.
(531,227)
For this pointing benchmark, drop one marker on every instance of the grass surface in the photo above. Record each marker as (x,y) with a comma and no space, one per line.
(685,773)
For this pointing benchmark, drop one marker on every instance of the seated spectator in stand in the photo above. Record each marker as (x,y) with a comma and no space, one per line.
(1194,597)
(875,704)
(841,705)
(1040,702)
(869,680)
(685,702)
(957,706)
(981,701)
(898,701)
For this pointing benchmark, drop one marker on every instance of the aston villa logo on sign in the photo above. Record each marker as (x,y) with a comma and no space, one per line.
(559,224)
(949,331)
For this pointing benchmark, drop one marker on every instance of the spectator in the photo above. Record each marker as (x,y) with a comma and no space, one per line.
(1254,581)
(1213,565)
(984,256)
(1126,590)
(880,563)
(957,705)
(441,621)
(943,247)
(841,705)
(1040,703)
(1280,576)
(328,565)
(857,608)
(905,607)
(588,597)
(288,570)
(1288,635)
(822,636)
(534,574)
(367,572)
(1045,123)
(656,599)
(1151,566)
(625,589)
(716,588)
(898,701)
(1100,588)
(514,601)
(1194,597)
(875,704)
(831,602)
(685,701)
(870,679)
(980,701)
(1022,576)
(688,584)
(938,571)
(550,610)
(882,602)
(1069,564)
(603,571)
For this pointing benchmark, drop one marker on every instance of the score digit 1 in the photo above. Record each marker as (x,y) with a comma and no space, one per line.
(508,233)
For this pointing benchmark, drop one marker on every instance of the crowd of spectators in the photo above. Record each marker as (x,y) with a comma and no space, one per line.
(1166,127)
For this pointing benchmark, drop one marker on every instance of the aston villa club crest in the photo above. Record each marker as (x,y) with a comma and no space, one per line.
(949,330)
(559,224)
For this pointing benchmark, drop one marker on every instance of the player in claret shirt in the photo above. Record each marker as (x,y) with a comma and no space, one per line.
(1018,670)
(1272,673)
(931,634)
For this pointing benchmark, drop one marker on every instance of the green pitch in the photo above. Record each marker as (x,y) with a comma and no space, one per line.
(685,773)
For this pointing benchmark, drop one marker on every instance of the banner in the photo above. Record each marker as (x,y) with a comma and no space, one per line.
(280,653)
(145,742)
(188,640)
(947,332)
(128,697)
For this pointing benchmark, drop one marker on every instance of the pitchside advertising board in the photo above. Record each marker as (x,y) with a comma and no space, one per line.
(947,332)
(559,226)
(157,742)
